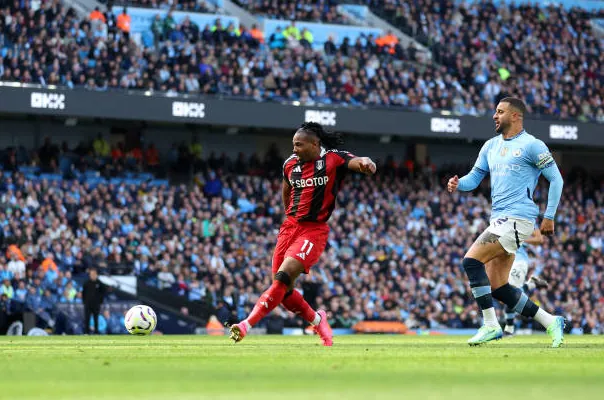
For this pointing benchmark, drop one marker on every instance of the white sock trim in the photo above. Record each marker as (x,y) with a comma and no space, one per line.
(544,318)
(489,316)
(247,325)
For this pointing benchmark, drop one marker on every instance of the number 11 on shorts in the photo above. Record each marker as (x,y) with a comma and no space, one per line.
(306,243)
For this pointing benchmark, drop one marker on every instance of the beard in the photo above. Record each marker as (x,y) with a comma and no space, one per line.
(502,127)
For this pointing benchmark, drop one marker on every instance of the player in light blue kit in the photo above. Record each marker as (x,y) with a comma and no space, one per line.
(518,275)
(514,159)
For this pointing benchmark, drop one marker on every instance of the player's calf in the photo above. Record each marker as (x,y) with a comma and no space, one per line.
(481,289)
(520,303)
(295,303)
(266,303)
(516,300)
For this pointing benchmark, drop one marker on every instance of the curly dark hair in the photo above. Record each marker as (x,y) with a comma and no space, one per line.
(329,140)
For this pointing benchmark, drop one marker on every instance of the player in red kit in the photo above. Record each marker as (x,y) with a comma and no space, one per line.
(312,177)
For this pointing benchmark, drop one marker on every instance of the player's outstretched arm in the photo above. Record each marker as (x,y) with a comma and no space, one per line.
(468,182)
(476,175)
(363,165)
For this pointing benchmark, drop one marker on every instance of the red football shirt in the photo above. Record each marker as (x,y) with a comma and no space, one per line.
(315,184)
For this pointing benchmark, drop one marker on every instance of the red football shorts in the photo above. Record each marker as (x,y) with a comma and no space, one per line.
(304,241)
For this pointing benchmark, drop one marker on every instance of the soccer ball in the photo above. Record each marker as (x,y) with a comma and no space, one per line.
(140,320)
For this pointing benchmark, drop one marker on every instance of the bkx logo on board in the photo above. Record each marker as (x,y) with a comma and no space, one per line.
(185,109)
(327,118)
(50,101)
(446,125)
(564,132)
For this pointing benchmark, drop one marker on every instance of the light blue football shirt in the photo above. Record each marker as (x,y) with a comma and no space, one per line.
(514,165)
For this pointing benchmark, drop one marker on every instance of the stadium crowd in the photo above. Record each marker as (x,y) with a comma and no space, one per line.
(556,68)
(200,6)
(545,54)
(297,10)
(394,251)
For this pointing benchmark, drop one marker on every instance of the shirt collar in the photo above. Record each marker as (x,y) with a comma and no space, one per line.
(515,136)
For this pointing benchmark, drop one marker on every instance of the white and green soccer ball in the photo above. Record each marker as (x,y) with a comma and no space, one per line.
(140,320)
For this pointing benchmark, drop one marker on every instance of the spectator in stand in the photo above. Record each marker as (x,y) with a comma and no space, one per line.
(97,15)
(20,295)
(257,35)
(124,21)
(7,288)
(16,267)
(306,38)
(152,158)
(389,43)
(101,147)
(277,39)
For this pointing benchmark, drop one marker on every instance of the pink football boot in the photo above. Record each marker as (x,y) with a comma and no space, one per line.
(323,329)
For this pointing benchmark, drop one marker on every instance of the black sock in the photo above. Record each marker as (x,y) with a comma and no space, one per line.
(479,282)
(509,316)
(516,299)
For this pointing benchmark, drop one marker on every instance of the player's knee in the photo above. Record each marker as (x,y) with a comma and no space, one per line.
(283,277)
(469,263)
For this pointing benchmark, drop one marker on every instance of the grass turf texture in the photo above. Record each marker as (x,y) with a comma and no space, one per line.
(276,367)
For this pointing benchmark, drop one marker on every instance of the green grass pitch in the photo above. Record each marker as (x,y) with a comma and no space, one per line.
(277,367)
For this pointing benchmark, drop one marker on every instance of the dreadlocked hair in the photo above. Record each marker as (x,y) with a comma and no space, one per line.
(329,140)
